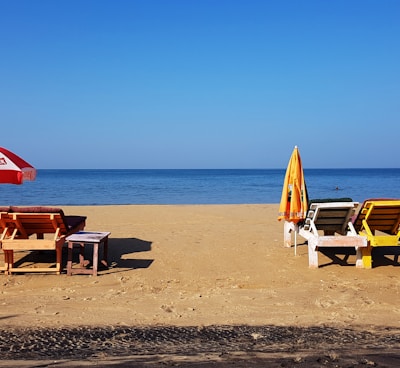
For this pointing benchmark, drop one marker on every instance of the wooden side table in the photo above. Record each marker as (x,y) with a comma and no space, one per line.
(82,238)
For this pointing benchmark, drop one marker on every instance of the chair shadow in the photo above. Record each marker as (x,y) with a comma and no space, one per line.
(385,256)
(343,256)
(381,256)
(121,253)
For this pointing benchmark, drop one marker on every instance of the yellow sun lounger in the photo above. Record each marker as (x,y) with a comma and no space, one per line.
(379,222)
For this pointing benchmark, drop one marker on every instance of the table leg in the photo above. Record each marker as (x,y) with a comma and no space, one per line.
(69,262)
(95,258)
(104,261)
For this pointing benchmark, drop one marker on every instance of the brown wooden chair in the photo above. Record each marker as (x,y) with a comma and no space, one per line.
(37,229)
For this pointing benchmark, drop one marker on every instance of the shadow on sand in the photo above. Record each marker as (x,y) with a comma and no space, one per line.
(121,256)
(381,256)
(122,251)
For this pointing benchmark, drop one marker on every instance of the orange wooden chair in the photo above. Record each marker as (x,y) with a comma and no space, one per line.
(38,228)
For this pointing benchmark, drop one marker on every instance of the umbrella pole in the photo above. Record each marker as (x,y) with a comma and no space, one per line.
(295,242)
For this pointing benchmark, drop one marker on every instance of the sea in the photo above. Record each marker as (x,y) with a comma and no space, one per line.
(54,187)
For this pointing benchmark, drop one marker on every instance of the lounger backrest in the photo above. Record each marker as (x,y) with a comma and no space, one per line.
(44,220)
(330,217)
(39,223)
(3,216)
(381,215)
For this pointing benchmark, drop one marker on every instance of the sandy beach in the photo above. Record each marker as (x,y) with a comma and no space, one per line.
(203,285)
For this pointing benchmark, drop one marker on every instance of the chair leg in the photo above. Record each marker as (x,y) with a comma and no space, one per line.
(58,258)
(367,257)
(359,258)
(9,261)
(5,262)
(312,255)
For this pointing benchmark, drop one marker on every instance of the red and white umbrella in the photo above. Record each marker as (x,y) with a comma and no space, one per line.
(13,169)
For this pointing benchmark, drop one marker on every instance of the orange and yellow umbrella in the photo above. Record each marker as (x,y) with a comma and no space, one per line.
(294,201)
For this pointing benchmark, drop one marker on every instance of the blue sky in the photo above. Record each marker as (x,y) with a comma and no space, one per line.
(200,83)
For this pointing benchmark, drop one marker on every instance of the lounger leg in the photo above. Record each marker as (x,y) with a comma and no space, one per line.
(58,258)
(95,258)
(104,261)
(6,262)
(69,260)
(359,258)
(312,255)
(9,259)
(367,257)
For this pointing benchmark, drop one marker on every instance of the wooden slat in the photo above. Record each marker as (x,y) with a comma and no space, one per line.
(34,269)
(333,213)
(28,244)
(341,241)
(338,221)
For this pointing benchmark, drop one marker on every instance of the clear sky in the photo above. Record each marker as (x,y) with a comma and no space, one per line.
(200,83)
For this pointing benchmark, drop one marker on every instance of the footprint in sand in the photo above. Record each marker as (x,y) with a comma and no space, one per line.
(168,308)
(367,301)
(39,309)
(325,303)
(123,279)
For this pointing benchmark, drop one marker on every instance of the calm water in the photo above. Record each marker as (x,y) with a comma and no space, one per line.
(99,187)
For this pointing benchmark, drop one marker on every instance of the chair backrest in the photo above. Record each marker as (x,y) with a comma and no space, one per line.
(44,220)
(330,217)
(382,215)
(38,223)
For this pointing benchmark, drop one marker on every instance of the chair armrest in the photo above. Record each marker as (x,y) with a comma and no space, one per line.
(352,230)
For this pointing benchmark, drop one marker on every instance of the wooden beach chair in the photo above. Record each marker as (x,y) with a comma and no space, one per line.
(328,224)
(38,229)
(379,222)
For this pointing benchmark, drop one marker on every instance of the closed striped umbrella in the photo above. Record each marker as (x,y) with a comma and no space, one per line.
(294,201)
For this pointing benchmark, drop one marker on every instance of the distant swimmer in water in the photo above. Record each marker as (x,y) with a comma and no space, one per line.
(337,188)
